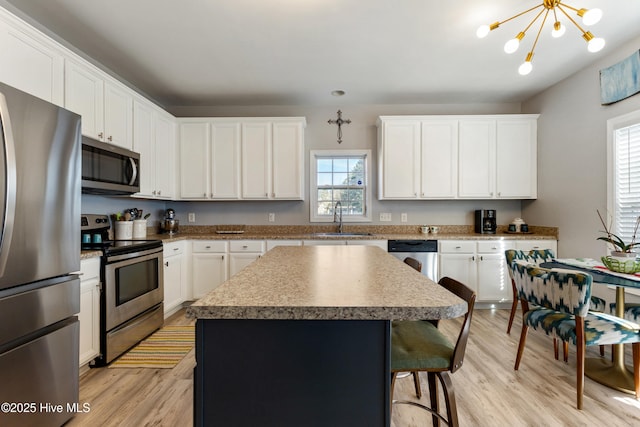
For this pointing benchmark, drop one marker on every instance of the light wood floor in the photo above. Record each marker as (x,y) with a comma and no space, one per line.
(489,392)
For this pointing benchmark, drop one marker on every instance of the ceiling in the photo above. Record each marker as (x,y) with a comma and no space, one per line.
(293,52)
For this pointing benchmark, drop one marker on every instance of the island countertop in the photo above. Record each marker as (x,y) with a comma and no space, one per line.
(328,283)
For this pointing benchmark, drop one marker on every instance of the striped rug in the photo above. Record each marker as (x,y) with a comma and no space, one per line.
(165,348)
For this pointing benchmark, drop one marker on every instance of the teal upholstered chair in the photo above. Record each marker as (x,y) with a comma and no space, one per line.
(631,311)
(539,256)
(557,302)
(418,346)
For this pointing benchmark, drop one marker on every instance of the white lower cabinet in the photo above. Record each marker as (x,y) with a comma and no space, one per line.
(89,315)
(175,282)
(273,243)
(208,265)
(481,265)
(528,245)
(244,252)
(379,243)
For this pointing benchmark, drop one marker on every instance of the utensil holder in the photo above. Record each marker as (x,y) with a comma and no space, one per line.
(124,230)
(140,229)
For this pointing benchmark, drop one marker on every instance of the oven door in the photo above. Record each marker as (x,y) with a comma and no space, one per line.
(133,283)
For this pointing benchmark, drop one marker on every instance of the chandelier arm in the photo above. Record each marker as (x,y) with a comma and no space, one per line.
(521,13)
(535,19)
(575,9)
(570,18)
(535,42)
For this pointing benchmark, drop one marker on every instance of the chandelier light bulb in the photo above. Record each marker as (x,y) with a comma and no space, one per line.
(591,16)
(525,68)
(482,31)
(511,46)
(558,30)
(595,45)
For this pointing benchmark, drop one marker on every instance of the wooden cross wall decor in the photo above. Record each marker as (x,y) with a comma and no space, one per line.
(339,122)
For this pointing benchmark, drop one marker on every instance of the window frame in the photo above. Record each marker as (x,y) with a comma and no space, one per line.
(313,184)
(614,124)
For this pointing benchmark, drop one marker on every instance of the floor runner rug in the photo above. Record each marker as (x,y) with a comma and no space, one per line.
(165,348)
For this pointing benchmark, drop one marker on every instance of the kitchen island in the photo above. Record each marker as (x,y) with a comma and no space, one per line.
(302,337)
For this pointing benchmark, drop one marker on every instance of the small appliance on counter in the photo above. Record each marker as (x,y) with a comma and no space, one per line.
(170,223)
(485,221)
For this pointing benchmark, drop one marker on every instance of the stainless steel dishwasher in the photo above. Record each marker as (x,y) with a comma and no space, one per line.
(425,251)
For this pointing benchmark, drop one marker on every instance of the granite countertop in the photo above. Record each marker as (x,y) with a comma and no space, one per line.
(320,282)
(377,232)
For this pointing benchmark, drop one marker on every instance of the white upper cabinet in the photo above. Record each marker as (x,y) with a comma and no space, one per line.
(476,164)
(105,106)
(287,160)
(154,140)
(439,159)
(242,158)
(194,143)
(457,157)
(399,159)
(29,61)
(256,160)
(225,160)
(516,154)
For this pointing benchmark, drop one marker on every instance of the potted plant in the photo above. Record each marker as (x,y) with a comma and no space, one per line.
(622,249)
(622,258)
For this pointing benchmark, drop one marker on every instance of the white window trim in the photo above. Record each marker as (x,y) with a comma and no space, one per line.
(613,125)
(313,184)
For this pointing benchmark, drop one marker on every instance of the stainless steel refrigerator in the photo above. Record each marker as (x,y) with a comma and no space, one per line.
(40,174)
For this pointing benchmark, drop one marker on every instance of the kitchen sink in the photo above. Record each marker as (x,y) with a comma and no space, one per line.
(347,234)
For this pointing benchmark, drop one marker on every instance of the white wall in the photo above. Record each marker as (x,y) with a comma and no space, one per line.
(572,160)
(360,134)
(572,170)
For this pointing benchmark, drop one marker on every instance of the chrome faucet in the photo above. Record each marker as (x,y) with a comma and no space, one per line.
(335,215)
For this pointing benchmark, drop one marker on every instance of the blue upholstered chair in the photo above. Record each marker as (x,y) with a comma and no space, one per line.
(539,256)
(419,346)
(631,311)
(557,302)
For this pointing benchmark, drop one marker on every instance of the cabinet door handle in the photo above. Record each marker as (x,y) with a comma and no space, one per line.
(166,264)
(244,246)
(159,192)
(101,135)
(481,258)
(176,249)
(110,138)
(207,247)
(473,258)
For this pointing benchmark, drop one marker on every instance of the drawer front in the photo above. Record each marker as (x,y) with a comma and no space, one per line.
(457,246)
(246,246)
(89,268)
(209,246)
(175,248)
(493,247)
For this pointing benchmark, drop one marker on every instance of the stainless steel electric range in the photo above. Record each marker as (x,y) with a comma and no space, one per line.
(132,291)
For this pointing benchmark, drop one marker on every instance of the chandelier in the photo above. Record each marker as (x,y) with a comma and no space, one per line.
(554,7)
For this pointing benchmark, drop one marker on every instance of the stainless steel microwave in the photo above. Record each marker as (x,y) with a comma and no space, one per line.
(107,169)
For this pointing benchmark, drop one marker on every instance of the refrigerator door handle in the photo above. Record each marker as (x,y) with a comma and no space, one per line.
(8,191)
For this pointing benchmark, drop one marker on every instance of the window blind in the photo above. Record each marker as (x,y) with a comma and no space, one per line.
(627,181)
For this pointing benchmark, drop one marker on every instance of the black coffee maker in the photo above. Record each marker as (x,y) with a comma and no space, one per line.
(486,221)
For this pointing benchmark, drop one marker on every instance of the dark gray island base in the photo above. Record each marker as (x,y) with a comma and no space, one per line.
(301,337)
(292,373)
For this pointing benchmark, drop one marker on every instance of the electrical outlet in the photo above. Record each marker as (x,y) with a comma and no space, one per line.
(403,217)
(192,217)
(385,217)
(272,217)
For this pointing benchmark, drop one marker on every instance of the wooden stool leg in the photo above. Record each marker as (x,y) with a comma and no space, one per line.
(450,398)
(523,341)
(565,351)
(433,397)
(636,367)
(514,307)
(555,347)
(416,384)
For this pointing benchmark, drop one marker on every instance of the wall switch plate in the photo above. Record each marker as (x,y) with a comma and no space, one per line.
(403,217)
(385,217)
(192,217)
(272,217)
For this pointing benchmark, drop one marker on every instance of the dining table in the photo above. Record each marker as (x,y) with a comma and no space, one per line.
(612,373)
